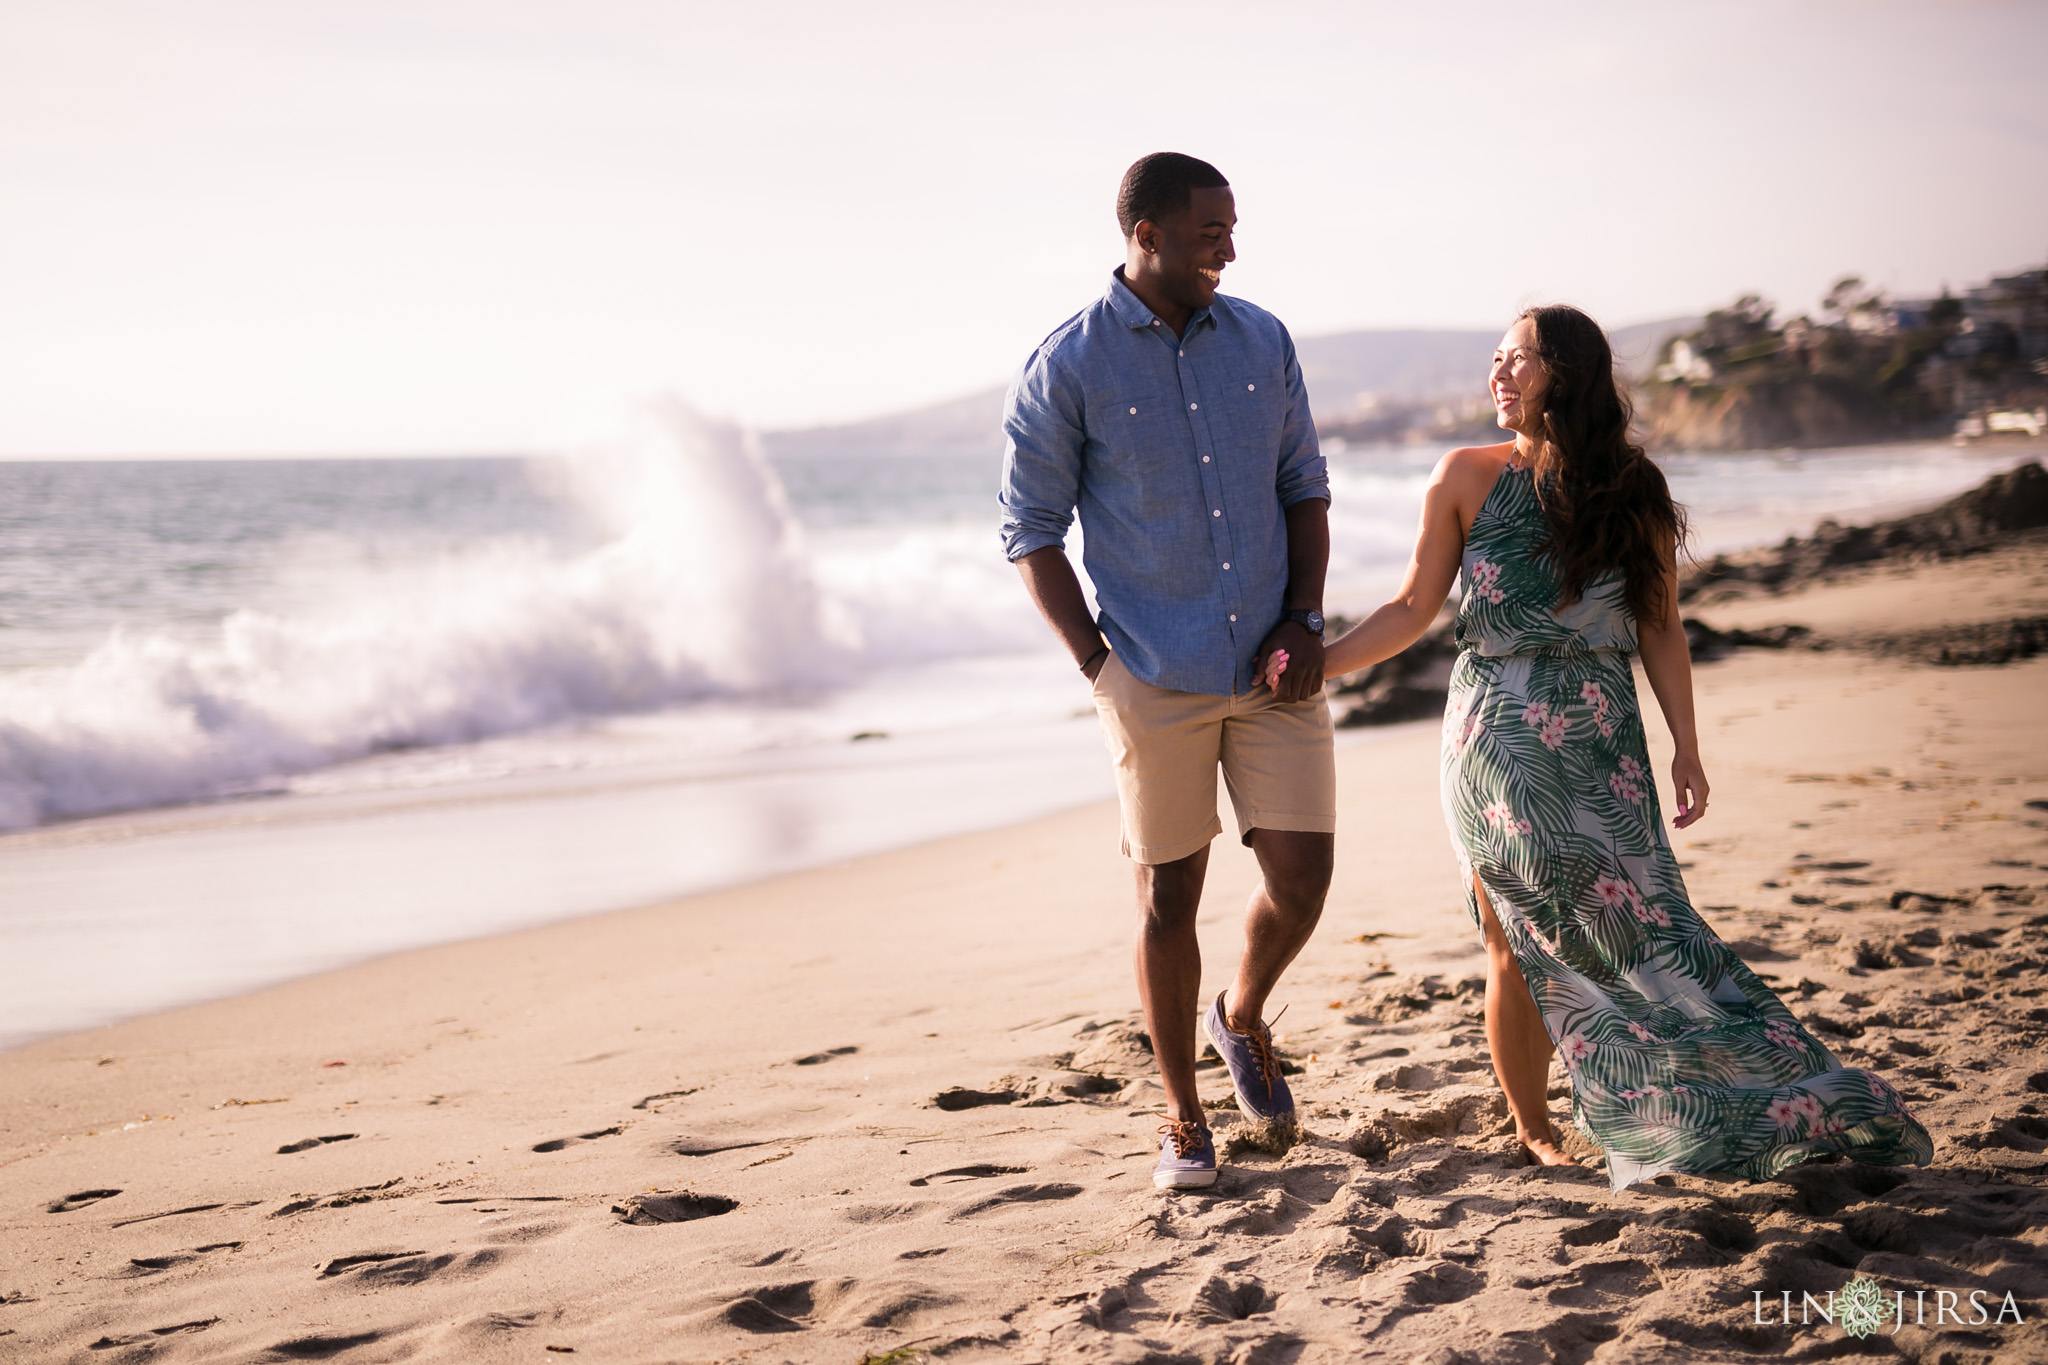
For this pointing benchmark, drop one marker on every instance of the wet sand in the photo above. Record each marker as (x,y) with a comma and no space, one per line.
(902,1104)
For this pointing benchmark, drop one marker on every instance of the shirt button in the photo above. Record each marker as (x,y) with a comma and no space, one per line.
(1193,406)
(1155,322)
(1226,564)
(1217,512)
(1183,352)
(1233,618)
(1205,459)
(1251,388)
(1134,412)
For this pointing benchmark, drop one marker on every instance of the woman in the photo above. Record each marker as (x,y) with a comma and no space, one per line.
(1564,541)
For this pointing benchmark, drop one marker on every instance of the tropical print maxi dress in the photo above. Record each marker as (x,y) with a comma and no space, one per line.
(1680,1058)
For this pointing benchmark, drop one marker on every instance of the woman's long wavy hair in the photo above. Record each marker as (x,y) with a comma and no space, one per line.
(1607,504)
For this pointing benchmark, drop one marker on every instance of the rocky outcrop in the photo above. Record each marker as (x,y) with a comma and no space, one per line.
(1768,416)
(1992,514)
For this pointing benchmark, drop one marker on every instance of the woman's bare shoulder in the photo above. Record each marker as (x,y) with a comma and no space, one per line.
(1472,468)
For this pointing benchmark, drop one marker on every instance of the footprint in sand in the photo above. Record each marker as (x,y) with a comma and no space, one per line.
(692,1147)
(153,1334)
(80,1200)
(1220,1300)
(649,1210)
(960,1097)
(308,1144)
(411,1267)
(665,1095)
(321,1347)
(557,1144)
(1019,1194)
(142,1266)
(827,1055)
(954,1174)
(834,1303)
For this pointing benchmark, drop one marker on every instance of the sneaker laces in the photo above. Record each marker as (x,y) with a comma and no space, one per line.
(1186,1135)
(1260,1037)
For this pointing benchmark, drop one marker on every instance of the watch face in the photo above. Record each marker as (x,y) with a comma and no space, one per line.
(1313,620)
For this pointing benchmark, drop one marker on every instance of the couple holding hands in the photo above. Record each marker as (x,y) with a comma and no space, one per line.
(1174,420)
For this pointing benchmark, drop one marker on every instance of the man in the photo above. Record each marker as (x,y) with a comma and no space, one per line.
(1175,420)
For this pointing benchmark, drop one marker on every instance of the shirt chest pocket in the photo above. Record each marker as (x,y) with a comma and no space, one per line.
(1137,430)
(1255,405)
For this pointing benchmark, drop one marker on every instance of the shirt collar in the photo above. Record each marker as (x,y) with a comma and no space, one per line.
(1132,310)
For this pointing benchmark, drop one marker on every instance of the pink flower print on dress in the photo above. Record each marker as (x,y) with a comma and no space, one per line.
(1625,789)
(1591,692)
(1461,727)
(1485,581)
(1502,817)
(1642,1034)
(1784,1035)
(1609,890)
(1575,1046)
(1536,713)
(1783,1112)
(1553,732)
(1631,769)
(1643,911)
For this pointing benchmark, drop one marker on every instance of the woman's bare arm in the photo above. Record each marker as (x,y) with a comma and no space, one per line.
(1667,663)
(1460,483)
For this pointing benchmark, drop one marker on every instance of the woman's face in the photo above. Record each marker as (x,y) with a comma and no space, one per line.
(1518,380)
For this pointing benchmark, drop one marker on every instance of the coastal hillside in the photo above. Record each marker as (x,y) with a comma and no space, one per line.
(1363,386)
(1862,368)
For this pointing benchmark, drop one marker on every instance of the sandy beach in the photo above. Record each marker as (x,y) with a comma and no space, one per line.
(898,1108)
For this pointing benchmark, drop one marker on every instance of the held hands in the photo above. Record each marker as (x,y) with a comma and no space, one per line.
(1689,784)
(1290,662)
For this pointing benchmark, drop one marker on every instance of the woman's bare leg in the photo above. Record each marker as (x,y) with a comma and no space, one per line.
(1521,1047)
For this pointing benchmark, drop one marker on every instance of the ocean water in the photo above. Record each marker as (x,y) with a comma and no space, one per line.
(263,718)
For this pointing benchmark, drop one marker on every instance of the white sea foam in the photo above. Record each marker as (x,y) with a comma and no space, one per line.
(704,601)
(704,590)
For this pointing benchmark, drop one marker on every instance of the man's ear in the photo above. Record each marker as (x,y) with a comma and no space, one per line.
(1146,235)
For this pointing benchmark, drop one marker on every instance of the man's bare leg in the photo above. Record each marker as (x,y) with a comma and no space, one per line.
(1520,1044)
(1294,867)
(1169,962)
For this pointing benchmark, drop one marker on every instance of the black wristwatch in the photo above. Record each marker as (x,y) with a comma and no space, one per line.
(1307,616)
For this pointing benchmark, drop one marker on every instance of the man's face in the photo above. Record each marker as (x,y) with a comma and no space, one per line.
(1189,250)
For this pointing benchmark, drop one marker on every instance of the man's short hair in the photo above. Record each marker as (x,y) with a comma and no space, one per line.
(1161,185)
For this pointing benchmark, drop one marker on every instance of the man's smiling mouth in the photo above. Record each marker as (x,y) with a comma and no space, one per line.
(1212,276)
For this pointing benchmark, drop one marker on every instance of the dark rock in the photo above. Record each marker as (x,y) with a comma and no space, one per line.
(2003,507)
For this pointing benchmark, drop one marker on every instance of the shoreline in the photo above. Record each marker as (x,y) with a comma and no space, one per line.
(918,1080)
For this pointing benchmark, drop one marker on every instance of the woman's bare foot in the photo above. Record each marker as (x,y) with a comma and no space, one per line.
(1544,1150)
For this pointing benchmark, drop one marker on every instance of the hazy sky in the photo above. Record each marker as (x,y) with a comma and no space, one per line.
(239,226)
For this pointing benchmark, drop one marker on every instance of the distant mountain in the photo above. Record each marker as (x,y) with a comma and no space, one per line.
(1394,366)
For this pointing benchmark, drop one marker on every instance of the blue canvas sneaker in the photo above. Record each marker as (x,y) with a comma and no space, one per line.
(1187,1156)
(1262,1091)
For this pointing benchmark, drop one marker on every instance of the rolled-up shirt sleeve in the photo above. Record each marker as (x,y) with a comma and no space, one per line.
(1043,434)
(1302,474)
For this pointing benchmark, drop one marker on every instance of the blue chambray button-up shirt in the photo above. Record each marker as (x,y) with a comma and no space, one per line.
(1182,455)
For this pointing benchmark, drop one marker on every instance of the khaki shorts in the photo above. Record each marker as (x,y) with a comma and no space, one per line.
(1277,760)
